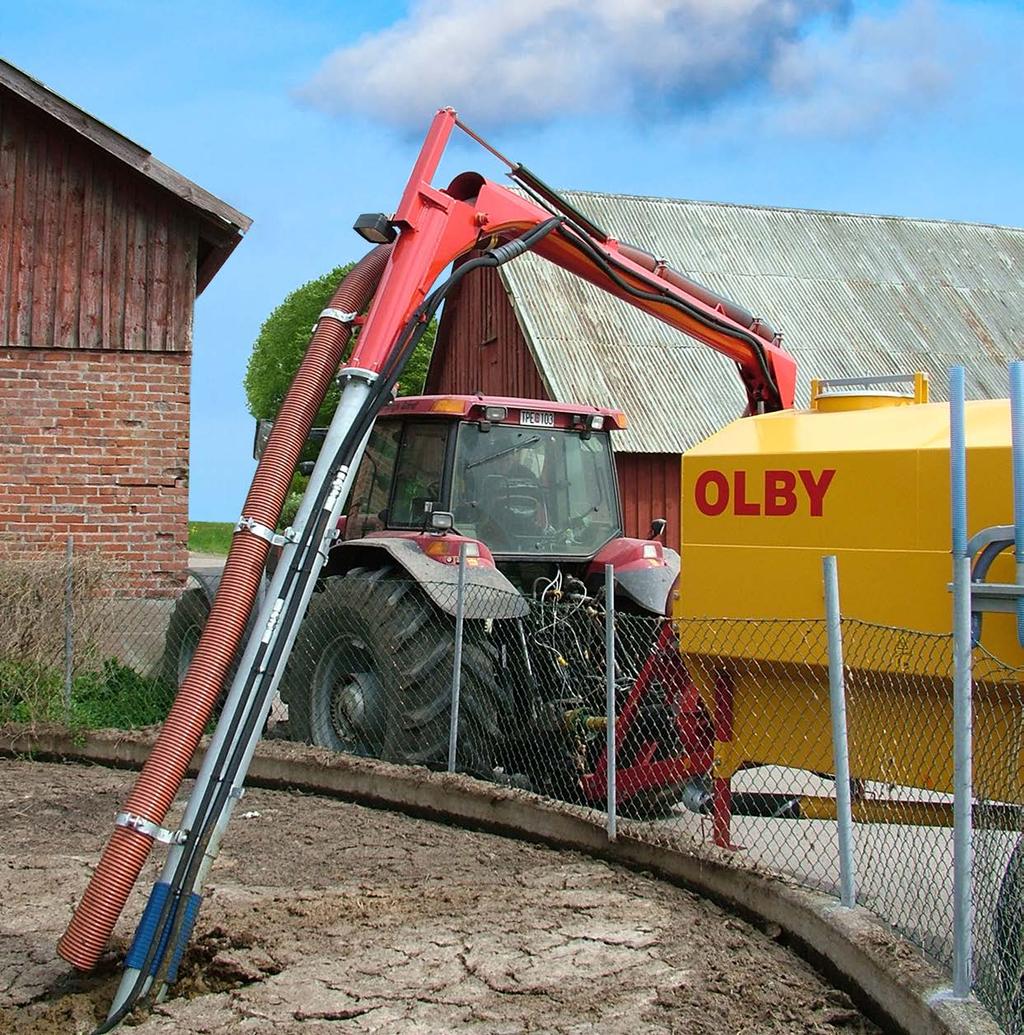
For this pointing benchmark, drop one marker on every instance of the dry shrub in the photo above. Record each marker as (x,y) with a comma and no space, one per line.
(33,589)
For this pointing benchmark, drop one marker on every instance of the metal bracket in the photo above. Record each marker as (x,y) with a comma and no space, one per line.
(995,596)
(251,525)
(1002,534)
(866,380)
(337,314)
(152,830)
(369,376)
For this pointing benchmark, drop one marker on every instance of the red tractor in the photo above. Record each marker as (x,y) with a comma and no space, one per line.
(528,490)
(529,487)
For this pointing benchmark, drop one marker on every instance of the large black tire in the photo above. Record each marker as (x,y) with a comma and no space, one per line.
(188,617)
(371,674)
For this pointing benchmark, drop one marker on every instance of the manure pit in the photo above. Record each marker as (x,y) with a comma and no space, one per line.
(325,916)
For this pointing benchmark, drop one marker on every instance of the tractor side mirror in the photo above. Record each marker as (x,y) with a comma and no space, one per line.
(658,526)
(259,442)
(262,436)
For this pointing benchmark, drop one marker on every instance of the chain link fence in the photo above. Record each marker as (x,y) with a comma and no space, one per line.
(997,884)
(719,733)
(76,647)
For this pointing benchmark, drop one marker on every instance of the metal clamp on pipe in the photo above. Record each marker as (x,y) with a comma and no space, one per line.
(349,373)
(335,314)
(247,524)
(152,830)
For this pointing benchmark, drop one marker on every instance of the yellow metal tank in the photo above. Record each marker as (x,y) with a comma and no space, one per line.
(765,498)
(864,476)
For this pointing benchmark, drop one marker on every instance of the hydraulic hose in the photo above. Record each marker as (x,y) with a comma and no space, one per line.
(731,309)
(751,337)
(166,925)
(158,783)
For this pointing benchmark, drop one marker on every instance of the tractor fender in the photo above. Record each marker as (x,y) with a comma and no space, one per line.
(488,593)
(649,587)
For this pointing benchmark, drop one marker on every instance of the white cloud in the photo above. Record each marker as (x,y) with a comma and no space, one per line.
(534,60)
(800,66)
(877,68)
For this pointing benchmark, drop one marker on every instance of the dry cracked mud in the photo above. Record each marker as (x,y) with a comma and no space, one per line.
(323,916)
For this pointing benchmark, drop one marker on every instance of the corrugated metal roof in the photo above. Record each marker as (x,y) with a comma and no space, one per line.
(852,295)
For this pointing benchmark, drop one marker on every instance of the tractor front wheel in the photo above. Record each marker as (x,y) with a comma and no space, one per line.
(371,674)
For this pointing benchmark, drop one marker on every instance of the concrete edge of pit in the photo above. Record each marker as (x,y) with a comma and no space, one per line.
(851,946)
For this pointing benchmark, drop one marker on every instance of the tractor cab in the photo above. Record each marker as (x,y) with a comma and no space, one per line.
(528,480)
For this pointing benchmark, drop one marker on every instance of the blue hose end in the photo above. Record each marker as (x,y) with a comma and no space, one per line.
(147,927)
(184,934)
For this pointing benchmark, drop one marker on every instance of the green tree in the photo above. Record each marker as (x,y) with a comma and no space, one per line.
(281,344)
(278,351)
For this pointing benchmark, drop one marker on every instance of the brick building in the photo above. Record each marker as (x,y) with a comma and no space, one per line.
(853,295)
(103,250)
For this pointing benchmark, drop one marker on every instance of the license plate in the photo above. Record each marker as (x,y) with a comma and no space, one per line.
(537,419)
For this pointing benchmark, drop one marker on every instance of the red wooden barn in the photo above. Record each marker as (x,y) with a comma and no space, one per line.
(103,250)
(853,295)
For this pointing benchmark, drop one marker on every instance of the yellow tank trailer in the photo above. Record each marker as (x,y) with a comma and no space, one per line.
(864,476)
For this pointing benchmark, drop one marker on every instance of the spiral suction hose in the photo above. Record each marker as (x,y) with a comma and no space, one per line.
(86,936)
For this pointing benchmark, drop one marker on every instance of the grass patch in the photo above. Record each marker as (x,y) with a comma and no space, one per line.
(210,536)
(118,698)
(114,697)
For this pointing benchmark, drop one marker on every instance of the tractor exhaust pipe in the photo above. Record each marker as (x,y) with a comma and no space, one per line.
(144,810)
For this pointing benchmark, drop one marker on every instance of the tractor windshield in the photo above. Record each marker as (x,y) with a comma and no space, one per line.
(534,491)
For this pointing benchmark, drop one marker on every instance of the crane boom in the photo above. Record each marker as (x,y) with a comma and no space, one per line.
(436,226)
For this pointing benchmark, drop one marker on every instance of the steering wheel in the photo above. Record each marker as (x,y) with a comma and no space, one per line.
(520,505)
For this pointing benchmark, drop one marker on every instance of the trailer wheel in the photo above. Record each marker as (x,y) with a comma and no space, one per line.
(188,617)
(1008,941)
(371,675)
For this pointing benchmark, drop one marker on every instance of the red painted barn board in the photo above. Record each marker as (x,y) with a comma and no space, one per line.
(86,246)
(649,484)
(480,346)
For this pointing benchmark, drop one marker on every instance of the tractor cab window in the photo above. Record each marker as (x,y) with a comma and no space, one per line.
(368,501)
(418,474)
(524,490)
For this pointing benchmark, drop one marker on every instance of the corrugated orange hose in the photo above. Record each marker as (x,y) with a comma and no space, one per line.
(158,783)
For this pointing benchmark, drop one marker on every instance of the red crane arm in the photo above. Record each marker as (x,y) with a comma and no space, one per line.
(437,226)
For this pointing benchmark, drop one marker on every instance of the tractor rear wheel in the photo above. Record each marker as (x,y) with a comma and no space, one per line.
(371,674)
(191,610)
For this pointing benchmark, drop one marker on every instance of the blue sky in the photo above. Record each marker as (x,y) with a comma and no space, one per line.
(305,114)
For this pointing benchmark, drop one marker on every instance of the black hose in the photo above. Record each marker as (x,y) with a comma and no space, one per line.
(606,264)
(214,801)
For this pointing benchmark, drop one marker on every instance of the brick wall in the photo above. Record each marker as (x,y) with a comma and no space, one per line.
(95,444)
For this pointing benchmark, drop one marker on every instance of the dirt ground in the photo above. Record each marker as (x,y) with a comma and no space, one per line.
(323,916)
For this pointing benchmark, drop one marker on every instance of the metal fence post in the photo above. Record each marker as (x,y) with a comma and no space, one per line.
(962,793)
(840,744)
(460,615)
(69,623)
(609,665)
